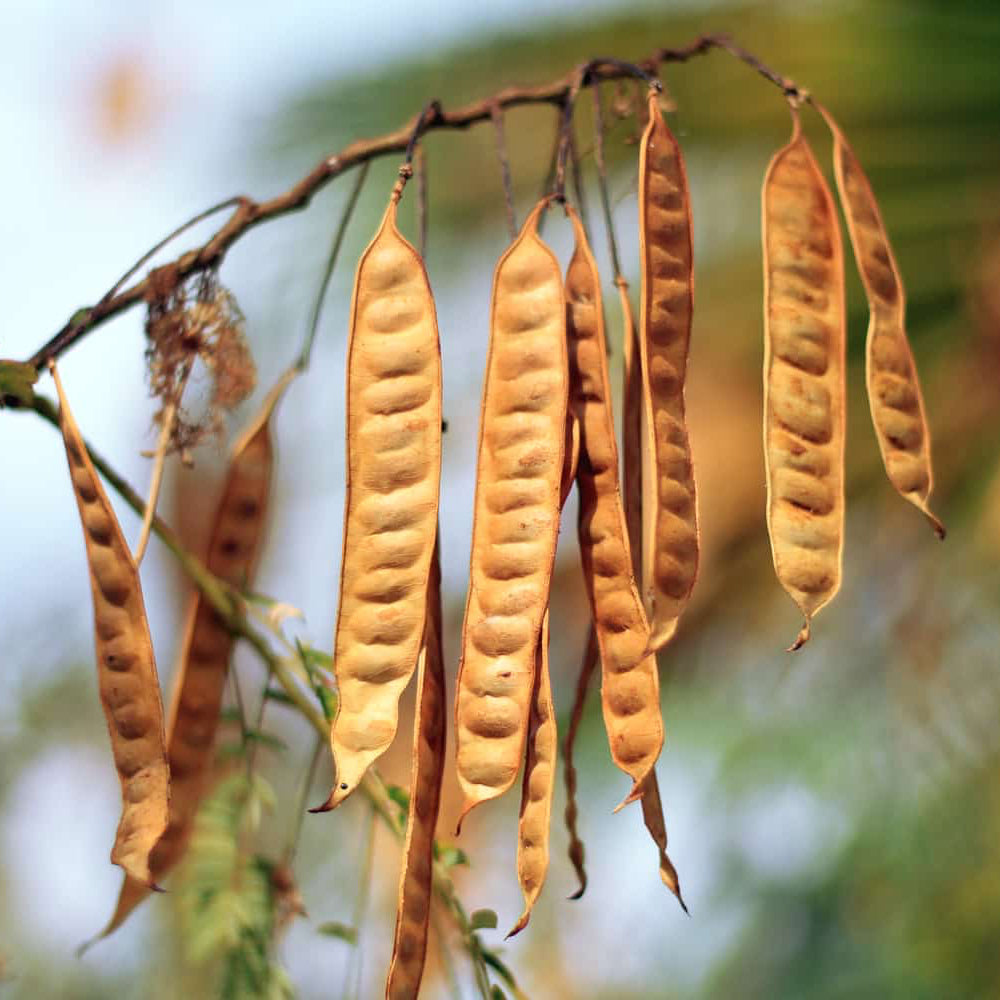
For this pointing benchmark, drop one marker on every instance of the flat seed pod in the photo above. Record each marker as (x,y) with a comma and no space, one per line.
(629,682)
(804,393)
(539,782)
(632,433)
(393,482)
(413,912)
(516,520)
(126,670)
(203,665)
(894,395)
(576,849)
(670,530)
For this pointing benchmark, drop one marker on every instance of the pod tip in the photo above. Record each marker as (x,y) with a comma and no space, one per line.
(802,638)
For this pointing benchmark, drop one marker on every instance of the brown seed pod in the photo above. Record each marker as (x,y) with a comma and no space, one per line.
(516,521)
(413,912)
(804,393)
(632,435)
(126,669)
(539,782)
(233,551)
(670,530)
(576,848)
(629,683)
(897,403)
(393,482)
(652,816)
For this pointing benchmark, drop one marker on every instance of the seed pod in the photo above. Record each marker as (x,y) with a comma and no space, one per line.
(804,393)
(897,404)
(670,529)
(629,683)
(633,438)
(538,784)
(516,522)
(233,551)
(393,481)
(576,848)
(652,816)
(413,912)
(126,669)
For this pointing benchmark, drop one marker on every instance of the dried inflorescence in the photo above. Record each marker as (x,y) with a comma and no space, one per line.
(190,329)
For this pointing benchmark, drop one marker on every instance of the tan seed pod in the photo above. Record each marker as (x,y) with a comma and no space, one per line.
(516,520)
(393,482)
(576,849)
(652,816)
(126,670)
(416,880)
(629,682)
(632,434)
(539,782)
(670,530)
(897,403)
(804,392)
(203,665)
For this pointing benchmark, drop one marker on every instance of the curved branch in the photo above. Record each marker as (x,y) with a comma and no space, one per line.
(249,213)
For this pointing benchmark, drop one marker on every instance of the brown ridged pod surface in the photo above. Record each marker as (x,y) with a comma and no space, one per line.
(416,880)
(393,482)
(234,549)
(516,520)
(670,529)
(126,670)
(538,785)
(804,393)
(894,394)
(630,696)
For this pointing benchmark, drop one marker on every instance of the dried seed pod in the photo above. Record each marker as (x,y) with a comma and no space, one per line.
(539,782)
(233,551)
(633,438)
(652,816)
(576,849)
(393,481)
(413,912)
(670,529)
(516,522)
(804,393)
(897,404)
(126,669)
(629,683)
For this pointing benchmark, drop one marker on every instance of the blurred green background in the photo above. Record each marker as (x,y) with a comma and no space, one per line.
(834,816)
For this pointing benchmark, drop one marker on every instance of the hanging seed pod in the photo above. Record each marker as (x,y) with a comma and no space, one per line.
(416,880)
(629,688)
(393,482)
(234,548)
(670,530)
(516,523)
(897,403)
(804,391)
(126,670)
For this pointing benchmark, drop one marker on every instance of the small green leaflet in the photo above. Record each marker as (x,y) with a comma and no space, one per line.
(483,920)
(16,380)
(333,928)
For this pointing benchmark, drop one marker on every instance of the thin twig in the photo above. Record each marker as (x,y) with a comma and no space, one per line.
(250,213)
(302,801)
(331,262)
(421,201)
(602,182)
(496,114)
(577,175)
(169,417)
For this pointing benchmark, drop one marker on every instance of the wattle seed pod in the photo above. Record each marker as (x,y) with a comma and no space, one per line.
(416,880)
(897,403)
(516,521)
(203,665)
(629,688)
(126,670)
(393,482)
(804,393)
(670,529)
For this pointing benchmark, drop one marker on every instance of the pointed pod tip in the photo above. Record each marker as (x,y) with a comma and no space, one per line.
(802,638)
(632,796)
(939,529)
(579,892)
(519,926)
